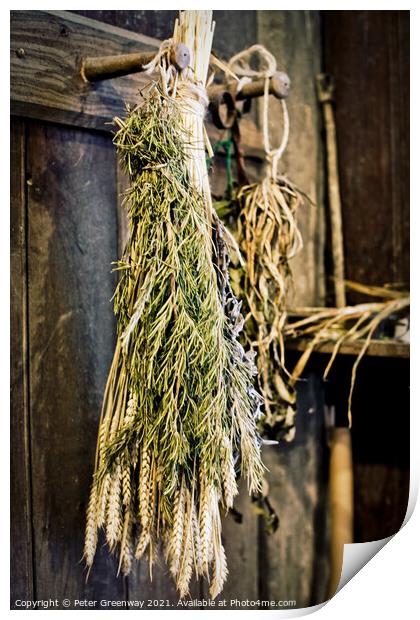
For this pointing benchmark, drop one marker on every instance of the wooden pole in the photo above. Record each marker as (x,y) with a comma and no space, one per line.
(341,460)
(326,96)
(341,502)
(98,68)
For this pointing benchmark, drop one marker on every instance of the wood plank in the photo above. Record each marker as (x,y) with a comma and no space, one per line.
(302,162)
(234,29)
(21,573)
(376,348)
(241,545)
(72,241)
(368,52)
(46,50)
(294,560)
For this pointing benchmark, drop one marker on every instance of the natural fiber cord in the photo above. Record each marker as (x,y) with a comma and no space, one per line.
(268,237)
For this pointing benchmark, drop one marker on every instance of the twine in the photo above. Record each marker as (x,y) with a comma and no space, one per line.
(240,64)
(192,94)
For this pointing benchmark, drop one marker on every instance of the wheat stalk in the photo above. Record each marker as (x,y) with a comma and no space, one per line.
(113,517)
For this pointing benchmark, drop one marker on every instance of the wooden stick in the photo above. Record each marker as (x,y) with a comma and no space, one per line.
(341,502)
(279,87)
(325,87)
(107,67)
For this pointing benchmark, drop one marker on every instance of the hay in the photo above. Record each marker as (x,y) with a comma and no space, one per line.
(342,325)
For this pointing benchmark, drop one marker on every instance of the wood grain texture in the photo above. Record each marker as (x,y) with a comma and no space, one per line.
(234,29)
(46,51)
(241,545)
(295,563)
(377,348)
(294,39)
(71,242)
(367,52)
(21,569)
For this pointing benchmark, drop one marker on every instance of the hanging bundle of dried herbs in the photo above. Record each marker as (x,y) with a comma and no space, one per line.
(179,409)
(268,238)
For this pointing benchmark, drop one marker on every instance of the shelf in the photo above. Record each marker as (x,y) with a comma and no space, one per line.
(377,348)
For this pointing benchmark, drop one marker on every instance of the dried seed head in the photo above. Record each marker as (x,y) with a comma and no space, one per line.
(91,534)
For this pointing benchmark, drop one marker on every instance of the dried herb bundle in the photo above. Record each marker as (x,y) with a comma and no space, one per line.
(268,237)
(179,407)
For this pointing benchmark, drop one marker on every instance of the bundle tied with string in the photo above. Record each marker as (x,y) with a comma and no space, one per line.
(268,238)
(179,412)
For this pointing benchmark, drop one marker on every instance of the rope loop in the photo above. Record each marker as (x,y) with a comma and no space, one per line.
(240,65)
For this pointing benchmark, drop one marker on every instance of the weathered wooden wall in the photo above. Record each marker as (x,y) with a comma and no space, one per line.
(66,230)
(368,55)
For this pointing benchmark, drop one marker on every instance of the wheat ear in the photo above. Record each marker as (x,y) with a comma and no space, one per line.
(126,549)
(177,533)
(103,499)
(126,484)
(220,570)
(113,516)
(144,492)
(186,564)
(198,560)
(204,519)
(91,536)
(144,503)
(230,487)
(130,413)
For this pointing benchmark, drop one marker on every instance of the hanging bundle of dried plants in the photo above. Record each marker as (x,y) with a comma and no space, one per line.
(179,411)
(268,237)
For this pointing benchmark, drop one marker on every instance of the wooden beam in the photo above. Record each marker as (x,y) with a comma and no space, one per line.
(46,53)
(377,348)
(21,560)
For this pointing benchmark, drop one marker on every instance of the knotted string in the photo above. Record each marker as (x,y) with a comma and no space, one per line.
(240,64)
